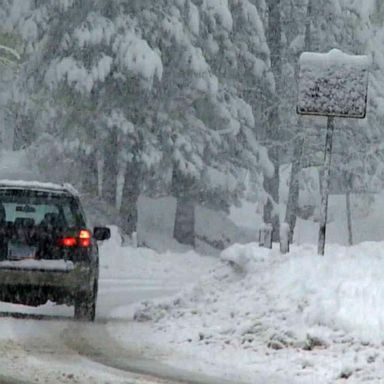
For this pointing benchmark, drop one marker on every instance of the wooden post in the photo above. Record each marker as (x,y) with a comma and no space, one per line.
(325,185)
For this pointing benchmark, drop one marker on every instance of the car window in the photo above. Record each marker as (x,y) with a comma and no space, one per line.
(42,208)
(37,211)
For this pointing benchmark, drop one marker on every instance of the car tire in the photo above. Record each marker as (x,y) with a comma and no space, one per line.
(85,304)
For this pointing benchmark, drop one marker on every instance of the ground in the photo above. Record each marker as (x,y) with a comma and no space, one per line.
(296,318)
(249,316)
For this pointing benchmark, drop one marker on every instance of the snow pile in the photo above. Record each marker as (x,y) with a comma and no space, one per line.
(298,314)
(244,256)
(344,290)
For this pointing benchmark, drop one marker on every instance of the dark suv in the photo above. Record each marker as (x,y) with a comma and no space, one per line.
(46,250)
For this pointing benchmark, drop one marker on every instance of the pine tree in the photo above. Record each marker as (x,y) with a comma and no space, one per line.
(149,97)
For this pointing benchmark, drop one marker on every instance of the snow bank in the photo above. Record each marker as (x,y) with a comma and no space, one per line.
(342,291)
(300,314)
(244,256)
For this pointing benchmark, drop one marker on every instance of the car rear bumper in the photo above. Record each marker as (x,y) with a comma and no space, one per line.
(80,277)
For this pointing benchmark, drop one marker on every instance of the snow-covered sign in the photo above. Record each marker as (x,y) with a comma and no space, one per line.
(333,84)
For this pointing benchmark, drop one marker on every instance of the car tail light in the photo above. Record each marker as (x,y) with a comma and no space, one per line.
(83,240)
(68,242)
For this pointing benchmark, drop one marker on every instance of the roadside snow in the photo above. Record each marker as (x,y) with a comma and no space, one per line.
(302,317)
(173,269)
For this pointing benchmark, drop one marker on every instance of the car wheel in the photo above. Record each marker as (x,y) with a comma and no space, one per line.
(85,304)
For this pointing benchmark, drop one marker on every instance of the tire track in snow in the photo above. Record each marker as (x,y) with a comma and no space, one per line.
(94,343)
(42,356)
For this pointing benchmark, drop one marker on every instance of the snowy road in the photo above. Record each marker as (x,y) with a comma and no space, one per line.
(45,345)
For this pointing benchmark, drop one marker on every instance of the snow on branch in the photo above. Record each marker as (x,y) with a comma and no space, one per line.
(11,51)
(136,56)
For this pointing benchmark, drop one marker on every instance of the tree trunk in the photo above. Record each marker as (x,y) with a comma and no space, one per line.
(90,182)
(110,169)
(2,129)
(184,227)
(130,196)
(271,185)
(19,133)
(293,194)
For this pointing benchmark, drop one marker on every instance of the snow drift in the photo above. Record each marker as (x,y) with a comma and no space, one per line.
(299,292)
(344,290)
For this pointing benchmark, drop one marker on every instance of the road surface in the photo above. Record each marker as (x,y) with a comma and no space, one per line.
(44,345)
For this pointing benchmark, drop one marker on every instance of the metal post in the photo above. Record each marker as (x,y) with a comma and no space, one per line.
(325,185)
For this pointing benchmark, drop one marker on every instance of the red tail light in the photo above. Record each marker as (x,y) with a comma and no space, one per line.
(68,242)
(83,240)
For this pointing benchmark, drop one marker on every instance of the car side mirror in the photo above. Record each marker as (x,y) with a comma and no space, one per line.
(101,233)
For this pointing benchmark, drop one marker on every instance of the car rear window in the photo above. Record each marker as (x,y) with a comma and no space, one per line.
(40,208)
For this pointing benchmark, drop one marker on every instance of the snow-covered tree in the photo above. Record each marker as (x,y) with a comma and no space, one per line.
(10,59)
(138,95)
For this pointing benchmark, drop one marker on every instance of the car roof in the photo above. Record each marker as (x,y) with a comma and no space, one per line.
(39,186)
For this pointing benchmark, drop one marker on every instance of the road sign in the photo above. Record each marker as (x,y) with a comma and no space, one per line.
(333,84)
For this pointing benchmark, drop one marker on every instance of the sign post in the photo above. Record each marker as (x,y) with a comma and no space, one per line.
(325,184)
(333,85)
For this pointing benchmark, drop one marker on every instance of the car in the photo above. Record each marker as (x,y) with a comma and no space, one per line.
(47,252)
